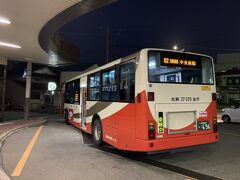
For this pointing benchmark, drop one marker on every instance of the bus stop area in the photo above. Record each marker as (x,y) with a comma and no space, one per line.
(60,151)
(119,90)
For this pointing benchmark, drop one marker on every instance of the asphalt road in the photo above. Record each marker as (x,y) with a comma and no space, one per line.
(60,153)
(220,160)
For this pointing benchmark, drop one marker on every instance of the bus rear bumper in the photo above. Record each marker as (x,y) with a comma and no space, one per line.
(172,143)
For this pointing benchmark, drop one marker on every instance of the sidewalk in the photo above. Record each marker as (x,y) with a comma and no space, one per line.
(6,127)
(14,120)
(15,115)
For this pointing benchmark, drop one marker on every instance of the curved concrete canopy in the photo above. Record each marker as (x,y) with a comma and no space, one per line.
(52,43)
(29,17)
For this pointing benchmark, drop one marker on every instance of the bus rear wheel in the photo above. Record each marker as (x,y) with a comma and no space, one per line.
(97,132)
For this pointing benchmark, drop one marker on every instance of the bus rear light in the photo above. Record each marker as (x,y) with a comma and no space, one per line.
(214,124)
(150,96)
(214,96)
(151,130)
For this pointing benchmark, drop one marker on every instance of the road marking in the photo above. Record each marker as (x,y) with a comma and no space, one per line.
(2,124)
(17,171)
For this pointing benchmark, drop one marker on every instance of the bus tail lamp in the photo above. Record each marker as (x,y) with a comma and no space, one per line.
(214,124)
(150,96)
(214,96)
(151,130)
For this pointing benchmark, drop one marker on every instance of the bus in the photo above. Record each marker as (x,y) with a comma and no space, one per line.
(151,100)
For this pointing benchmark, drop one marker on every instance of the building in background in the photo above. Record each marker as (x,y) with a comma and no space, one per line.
(228,77)
(41,99)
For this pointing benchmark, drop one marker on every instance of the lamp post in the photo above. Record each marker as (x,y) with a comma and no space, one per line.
(175,47)
(28,89)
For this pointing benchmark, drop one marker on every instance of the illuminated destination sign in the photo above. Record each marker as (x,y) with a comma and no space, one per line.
(181,62)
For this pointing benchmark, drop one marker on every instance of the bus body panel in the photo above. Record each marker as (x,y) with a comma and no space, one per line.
(125,125)
(176,142)
(124,128)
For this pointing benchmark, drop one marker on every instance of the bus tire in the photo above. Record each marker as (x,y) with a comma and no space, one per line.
(66,117)
(226,119)
(97,132)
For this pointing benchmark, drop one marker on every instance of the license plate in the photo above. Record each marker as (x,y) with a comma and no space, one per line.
(204,125)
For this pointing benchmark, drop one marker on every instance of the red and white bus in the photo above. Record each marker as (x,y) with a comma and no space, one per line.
(152,100)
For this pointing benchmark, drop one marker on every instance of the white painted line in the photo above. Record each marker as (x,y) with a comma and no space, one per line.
(2,124)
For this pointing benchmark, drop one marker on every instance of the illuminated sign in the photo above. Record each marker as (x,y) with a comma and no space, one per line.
(76,97)
(177,59)
(52,86)
(179,62)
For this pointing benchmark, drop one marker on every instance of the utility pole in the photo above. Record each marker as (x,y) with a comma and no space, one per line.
(108,44)
(28,89)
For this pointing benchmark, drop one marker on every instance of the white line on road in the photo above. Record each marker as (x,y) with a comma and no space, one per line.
(2,124)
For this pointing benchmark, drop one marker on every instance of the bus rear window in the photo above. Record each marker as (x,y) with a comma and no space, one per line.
(175,67)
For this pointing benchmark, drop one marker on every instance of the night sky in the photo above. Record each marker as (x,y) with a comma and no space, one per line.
(202,26)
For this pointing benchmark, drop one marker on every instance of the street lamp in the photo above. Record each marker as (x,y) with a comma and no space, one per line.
(175,47)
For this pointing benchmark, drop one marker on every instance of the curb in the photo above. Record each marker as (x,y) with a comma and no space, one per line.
(4,136)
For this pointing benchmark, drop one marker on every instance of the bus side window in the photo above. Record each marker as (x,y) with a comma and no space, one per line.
(109,85)
(127,81)
(94,86)
(72,92)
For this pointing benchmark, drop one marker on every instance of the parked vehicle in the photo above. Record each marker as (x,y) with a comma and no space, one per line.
(232,113)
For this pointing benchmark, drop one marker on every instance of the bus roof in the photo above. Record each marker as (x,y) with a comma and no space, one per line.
(129,57)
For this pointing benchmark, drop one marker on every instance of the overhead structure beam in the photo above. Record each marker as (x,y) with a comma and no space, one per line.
(46,36)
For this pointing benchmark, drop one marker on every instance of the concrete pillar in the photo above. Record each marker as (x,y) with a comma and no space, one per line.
(28,89)
(3,61)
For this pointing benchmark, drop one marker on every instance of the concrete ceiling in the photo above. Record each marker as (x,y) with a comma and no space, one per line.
(29,18)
